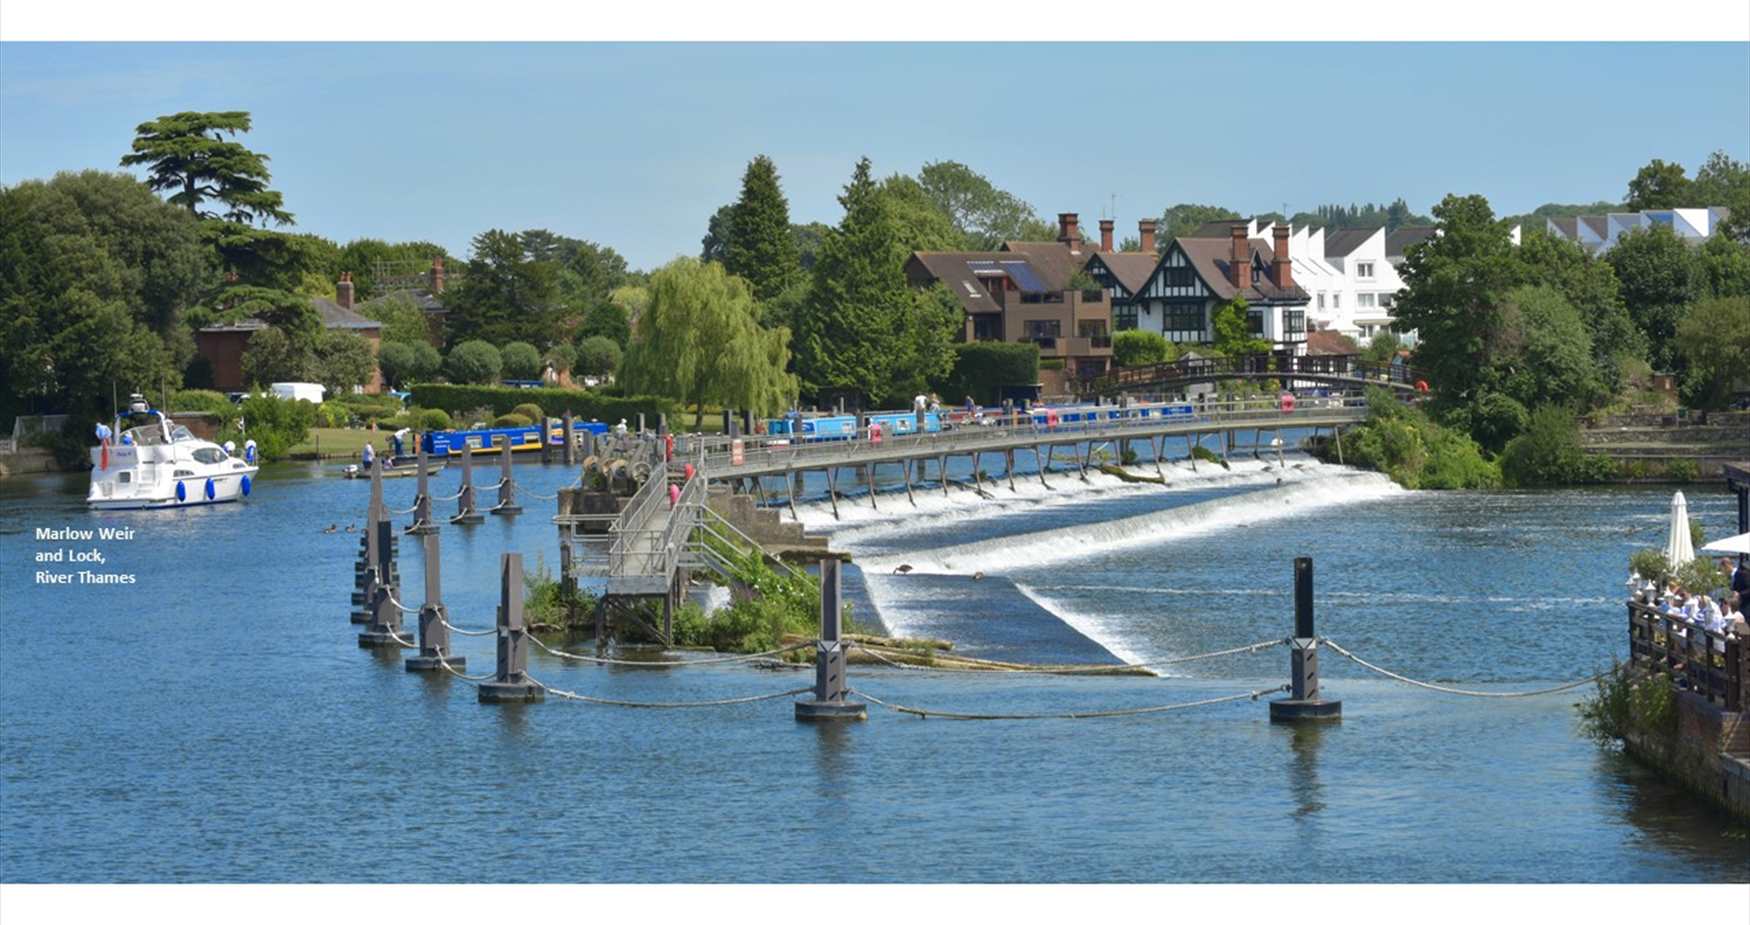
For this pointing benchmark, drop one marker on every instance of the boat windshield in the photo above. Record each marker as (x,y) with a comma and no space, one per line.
(153,434)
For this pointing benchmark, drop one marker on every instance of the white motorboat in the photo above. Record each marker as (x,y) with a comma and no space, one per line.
(155,462)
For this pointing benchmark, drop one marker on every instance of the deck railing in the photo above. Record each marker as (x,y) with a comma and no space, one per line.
(1713,665)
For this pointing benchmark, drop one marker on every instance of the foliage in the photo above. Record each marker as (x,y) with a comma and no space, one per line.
(1542,351)
(1233,335)
(1182,219)
(504,295)
(982,215)
(1141,348)
(529,410)
(361,257)
(596,356)
(1199,451)
(982,368)
(760,248)
(1333,216)
(401,316)
(918,223)
(778,603)
(96,277)
(1590,284)
(1495,420)
(394,361)
(1630,702)
(611,318)
(1713,338)
(863,329)
(1723,181)
(700,341)
(1701,575)
(464,400)
(520,360)
(275,424)
(1682,470)
(333,414)
(1658,186)
(189,153)
(1405,444)
(1549,453)
(1658,274)
(1382,347)
(274,356)
(343,360)
(512,420)
(1651,565)
(474,362)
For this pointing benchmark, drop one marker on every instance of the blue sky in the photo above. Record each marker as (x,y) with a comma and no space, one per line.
(636,145)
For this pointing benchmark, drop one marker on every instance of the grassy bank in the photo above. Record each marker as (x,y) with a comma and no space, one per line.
(337,443)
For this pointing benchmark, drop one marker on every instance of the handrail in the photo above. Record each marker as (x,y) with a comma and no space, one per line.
(1715,665)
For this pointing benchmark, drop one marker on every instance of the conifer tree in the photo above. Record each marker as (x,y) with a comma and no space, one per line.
(759,246)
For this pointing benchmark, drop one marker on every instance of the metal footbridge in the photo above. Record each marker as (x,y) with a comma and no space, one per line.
(1342,370)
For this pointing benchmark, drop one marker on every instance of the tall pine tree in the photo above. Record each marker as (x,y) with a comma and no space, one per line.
(864,329)
(759,246)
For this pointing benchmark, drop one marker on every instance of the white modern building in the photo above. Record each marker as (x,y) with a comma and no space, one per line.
(1599,233)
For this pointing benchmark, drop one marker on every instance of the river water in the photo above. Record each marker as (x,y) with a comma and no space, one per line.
(215,721)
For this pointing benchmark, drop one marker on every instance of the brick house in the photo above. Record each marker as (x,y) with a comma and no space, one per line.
(223,345)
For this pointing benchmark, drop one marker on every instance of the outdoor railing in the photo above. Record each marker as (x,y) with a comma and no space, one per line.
(1713,665)
(1348,366)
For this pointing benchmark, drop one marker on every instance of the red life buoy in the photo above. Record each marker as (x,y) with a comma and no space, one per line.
(1422,386)
(1287,402)
(687,470)
(1050,418)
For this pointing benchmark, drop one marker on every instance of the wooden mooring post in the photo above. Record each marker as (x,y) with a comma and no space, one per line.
(506,483)
(1303,703)
(434,629)
(568,447)
(829,701)
(511,682)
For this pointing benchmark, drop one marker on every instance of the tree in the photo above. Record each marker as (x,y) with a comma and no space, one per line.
(368,258)
(427,363)
(717,231)
(863,329)
(1382,347)
(343,360)
(917,221)
(473,362)
(1723,265)
(1140,348)
(1590,284)
(395,361)
(1182,219)
(520,360)
(983,215)
(1453,286)
(596,356)
(504,296)
(1723,181)
(402,317)
(274,356)
(1714,338)
(1658,186)
(808,238)
(1658,275)
(760,247)
(1541,353)
(1233,331)
(189,153)
(98,277)
(699,341)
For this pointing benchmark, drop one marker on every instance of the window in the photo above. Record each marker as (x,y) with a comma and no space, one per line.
(1294,322)
(1255,276)
(1178,277)
(1336,300)
(208,455)
(1183,321)
(1364,270)
(1124,316)
(1364,300)
(1255,322)
(987,327)
(1321,300)
(1039,330)
(1385,300)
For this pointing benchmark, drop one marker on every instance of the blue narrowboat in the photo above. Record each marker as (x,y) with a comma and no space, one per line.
(445,442)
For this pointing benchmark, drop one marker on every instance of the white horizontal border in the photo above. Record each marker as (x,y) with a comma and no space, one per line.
(879,20)
(877,905)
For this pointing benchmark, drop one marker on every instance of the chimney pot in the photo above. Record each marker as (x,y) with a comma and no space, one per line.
(1067,231)
(343,290)
(1106,235)
(437,276)
(1145,230)
(1282,269)
(1239,257)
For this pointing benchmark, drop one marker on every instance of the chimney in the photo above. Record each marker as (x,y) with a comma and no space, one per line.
(343,291)
(1239,260)
(437,276)
(1282,271)
(1145,229)
(1067,233)
(1105,236)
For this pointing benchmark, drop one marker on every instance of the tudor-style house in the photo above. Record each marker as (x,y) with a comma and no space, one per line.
(1201,272)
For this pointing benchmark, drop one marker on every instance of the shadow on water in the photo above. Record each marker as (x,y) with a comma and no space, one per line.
(1304,741)
(1673,818)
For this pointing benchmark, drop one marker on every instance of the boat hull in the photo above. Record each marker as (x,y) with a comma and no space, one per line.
(227,488)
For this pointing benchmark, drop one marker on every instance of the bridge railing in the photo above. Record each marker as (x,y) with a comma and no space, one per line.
(1713,665)
(1341,366)
(632,551)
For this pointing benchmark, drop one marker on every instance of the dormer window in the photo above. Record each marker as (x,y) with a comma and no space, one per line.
(1364,270)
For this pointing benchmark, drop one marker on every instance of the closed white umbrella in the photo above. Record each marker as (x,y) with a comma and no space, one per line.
(1679,551)
(1730,546)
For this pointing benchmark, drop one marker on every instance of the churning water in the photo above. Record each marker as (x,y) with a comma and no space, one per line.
(216,721)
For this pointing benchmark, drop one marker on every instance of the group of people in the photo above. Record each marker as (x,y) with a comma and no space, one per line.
(1719,612)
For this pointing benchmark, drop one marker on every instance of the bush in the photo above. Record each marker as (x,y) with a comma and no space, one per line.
(596,356)
(465,400)
(529,410)
(1549,453)
(395,361)
(275,424)
(1141,348)
(1051,363)
(521,360)
(1405,444)
(1700,576)
(432,419)
(475,362)
(511,420)
(1650,564)
(1496,419)
(1682,470)
(984,368)
(333,414)
(1629,701)
(427,363)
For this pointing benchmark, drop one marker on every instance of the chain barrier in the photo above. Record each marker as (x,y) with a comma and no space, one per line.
(1078,669)
(1455,690)
(662,705)
(678,663)
(1088,714)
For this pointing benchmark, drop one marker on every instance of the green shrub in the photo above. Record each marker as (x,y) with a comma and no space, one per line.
(204,401)
(781,603)
(511,420)
(982,369)
(1051,363)
(1405,444)
(1700,576)
(475,362)
(529,410)
(1141,348)
(333,414)
(275,424)
(1548,452)
(521,360)
(1650,564)
(1496,419)
(1630,701)
(466,401)
(1682,470)
(1207,455)
(432,419)
(596,356)
(395,361)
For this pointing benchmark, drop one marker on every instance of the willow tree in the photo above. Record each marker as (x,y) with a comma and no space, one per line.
(699,340)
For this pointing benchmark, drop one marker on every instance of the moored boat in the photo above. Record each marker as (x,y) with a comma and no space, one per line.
(155,462)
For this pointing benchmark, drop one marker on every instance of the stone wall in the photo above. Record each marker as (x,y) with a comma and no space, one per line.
(1710,754)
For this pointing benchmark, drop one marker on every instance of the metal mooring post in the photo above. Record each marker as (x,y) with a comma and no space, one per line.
(568,455)
(506,484)
(422,522)
(385,627)
(829,701)
(511,683)
(369,571)
(465,511)
(1303,703)
(434,630)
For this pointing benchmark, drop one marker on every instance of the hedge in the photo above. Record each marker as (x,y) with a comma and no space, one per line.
(983,368)
(585,405)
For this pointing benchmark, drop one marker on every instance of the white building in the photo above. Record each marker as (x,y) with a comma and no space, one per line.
(1599,233)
